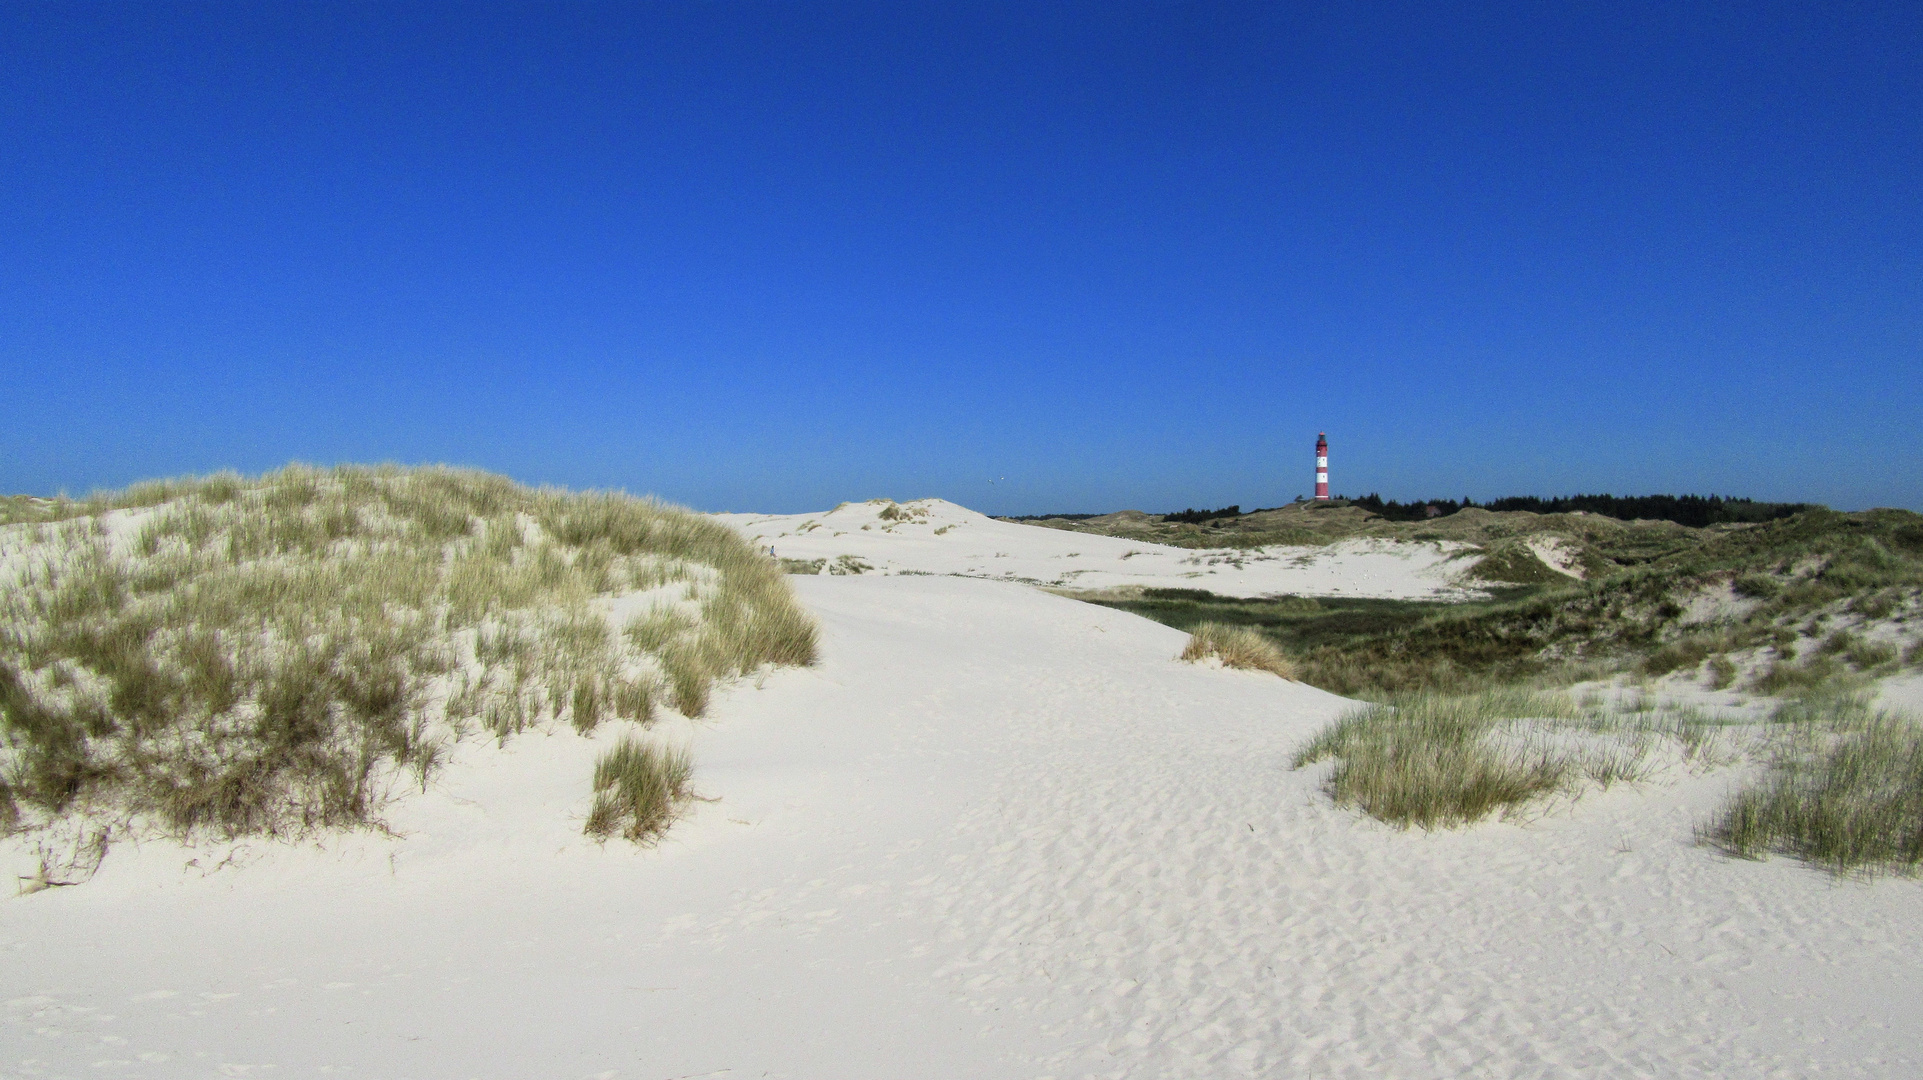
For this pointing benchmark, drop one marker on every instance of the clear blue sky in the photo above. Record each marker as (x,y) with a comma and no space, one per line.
(774,256)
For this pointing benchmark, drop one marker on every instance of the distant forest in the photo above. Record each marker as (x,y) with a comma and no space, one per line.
(1695,511)
(1197,517)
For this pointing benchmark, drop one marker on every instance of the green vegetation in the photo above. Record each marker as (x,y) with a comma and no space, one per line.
(638,789)
(1297,623)
(1779,592)
(228,656)
(1845,791)
(1514,563)
(1463,722)
(1193,516)
(1337,642)
(1434,760)
(841,565)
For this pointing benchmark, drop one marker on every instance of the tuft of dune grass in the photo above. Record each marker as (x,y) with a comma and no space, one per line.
(638,789)
(1236,647)
(1428,760)
(1844,792)
(1440,760)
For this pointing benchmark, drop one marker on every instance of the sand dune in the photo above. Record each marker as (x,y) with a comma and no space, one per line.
(996,833)
(933,536)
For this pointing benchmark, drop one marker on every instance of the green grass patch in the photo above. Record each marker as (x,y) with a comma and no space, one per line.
(1296,623)
(1844,792)
(1440,760)
(1361,647)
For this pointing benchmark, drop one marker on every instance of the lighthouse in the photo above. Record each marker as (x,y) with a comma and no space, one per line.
(1322,466)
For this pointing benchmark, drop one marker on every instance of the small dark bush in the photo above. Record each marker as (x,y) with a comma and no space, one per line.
(1515,564)
(1201,595)
(1876,605)
(1686,653)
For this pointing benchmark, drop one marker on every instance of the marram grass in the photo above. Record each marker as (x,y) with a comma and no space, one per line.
(1236,647)
(1844,791)
(263,656)
(638,789)
(1441,760)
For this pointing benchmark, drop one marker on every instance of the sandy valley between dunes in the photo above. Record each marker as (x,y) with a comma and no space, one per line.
(996,833)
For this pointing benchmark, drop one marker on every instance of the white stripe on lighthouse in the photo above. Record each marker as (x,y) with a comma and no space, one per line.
(1321,463)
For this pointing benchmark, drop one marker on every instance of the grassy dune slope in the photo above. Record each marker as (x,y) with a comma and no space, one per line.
(231,656)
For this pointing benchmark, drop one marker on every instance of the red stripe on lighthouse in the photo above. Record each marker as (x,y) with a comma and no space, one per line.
(1322,465)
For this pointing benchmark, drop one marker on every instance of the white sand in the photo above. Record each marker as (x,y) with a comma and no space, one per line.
(996,833)
(944,538)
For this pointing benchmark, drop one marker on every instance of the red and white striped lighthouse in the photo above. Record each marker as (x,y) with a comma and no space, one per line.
(1322,465)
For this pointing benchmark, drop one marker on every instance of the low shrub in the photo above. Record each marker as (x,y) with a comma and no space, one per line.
(1687,652)
(1877,605)
(1516,564)
(9,810)
(1872,655)
(1855,650)
(1197,595)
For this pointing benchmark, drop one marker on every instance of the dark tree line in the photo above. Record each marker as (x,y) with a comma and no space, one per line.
(1197,517)
(1692,510)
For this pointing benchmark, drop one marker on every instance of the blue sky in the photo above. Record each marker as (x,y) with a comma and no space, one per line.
(774,256)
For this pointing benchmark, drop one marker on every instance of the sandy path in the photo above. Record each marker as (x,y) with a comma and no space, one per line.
(995,834)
